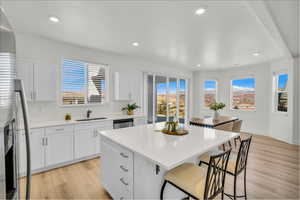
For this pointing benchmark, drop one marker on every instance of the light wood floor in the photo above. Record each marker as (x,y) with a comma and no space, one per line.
(272,173)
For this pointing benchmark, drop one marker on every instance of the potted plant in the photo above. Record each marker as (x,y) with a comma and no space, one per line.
(216,107)
(130,108)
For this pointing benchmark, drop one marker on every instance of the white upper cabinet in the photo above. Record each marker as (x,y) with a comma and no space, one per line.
(122,86)
(128,86)
(25,72)
(39,78)
(45,81)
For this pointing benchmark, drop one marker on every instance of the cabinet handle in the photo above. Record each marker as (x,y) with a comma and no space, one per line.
(43,142)
(46,141)
(123,168)
(123,155)
(122,181)
(59,129)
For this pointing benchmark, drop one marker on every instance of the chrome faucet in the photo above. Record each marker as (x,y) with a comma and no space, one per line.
(88,113)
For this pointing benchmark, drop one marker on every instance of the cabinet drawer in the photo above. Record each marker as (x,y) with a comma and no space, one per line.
(59,129)
(104,123)
(125,189)
(32,131)
(83,126)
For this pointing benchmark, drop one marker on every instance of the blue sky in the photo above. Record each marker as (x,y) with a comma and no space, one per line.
(161,87)
(247,83)
(282,80)
(74,78)
(210,84)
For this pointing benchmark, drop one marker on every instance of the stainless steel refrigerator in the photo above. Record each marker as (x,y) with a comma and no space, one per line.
(13,113)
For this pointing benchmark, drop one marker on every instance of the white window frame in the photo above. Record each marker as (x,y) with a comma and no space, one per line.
(145,99)
(106,97)
(203,98)
(231,92)
(275,92)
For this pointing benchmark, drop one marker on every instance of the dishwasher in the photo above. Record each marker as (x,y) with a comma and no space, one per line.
(122,123)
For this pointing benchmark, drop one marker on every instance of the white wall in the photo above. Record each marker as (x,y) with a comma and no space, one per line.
(296,136)
(281,124)
(52,52)
(254,121)
(263,121)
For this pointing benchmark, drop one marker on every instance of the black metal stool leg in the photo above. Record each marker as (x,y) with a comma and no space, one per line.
(245,190)
(162,190)
(234,188)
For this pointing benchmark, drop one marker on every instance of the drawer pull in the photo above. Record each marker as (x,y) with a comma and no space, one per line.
(123,168)
(59,129)
(122,181)
(123,155)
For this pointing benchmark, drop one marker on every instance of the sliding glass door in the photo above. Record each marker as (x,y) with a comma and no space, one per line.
(166,98)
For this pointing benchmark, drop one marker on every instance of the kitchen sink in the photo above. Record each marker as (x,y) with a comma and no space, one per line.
(91,119)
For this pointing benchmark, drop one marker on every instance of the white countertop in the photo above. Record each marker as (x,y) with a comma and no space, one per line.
(48,123)
(166,150)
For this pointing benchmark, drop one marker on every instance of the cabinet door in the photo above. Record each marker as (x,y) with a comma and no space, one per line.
(108,126)
(59,148)
(109,166)
(37,150)
(25,70)
(45,81)
(85,142)
(122,81)
(139,121)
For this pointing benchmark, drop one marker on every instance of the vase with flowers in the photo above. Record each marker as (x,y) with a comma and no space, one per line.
(216,107)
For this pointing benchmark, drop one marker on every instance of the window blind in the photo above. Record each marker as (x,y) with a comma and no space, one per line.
(96,83)
(73,82)
(82,83)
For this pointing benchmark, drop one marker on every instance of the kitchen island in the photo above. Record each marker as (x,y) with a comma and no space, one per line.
(134,160)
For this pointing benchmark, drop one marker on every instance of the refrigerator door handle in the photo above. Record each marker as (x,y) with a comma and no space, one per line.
(19,88)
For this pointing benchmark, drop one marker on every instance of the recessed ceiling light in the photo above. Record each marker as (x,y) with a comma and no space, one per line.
(199,65)
(135,44)
(256,54)
(200,11)
(54,19)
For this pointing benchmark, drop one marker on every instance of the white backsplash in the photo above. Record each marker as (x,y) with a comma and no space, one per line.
(51,111)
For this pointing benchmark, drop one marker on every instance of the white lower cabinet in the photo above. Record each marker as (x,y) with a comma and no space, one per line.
(36,149)
(56,145)
(85,141)
(139,121)
(59,147)
(117,170)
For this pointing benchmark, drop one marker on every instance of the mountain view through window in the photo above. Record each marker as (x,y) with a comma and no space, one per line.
(243,94)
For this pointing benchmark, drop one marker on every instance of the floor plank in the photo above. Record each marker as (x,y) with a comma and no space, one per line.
(272,173)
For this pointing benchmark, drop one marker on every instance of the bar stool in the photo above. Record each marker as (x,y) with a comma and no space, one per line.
(197,182)
(237,125)
(225,127)
(236,164)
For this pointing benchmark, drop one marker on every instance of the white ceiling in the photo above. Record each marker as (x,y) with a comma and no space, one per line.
(286,16)
(168,32)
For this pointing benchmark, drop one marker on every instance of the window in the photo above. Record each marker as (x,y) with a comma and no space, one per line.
(281,92)
(83,83)
(166,98)
(210,93)
(243,94)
